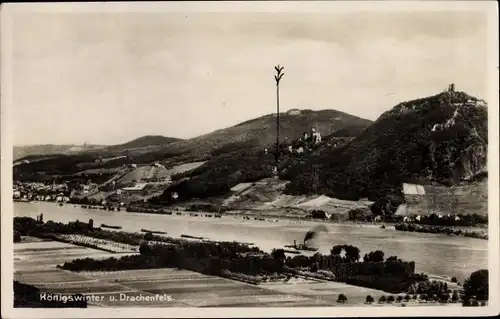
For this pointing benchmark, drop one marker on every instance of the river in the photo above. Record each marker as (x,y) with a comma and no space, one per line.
(435,254)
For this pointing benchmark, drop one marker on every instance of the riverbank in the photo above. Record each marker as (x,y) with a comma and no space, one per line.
(411,227)
(275,215)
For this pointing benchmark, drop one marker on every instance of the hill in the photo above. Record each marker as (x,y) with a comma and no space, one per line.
(250,136)
(144,141)
(238,153)
(438,139)
(59,162)
(33,151)
(261,132)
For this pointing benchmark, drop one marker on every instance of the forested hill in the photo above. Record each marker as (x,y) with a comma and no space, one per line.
(441,138)
(261,132)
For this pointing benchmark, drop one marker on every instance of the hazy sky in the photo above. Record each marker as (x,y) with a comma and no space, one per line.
(107,78)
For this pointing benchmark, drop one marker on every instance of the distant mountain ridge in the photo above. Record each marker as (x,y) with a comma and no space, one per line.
(261,131)
(249,136)
(144,141)
(68,149)
(21,151)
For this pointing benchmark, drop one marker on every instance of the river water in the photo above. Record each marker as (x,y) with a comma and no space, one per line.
(435,254)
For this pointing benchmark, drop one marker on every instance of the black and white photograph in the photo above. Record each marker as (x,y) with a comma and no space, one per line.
(290,158)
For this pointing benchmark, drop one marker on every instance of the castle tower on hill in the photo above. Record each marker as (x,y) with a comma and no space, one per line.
(313,136)
(316,136)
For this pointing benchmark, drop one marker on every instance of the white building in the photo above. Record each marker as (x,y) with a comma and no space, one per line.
(158,165)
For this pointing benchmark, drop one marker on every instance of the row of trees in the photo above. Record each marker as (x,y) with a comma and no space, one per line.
(444,298)
(411,227)
(452,220)
(406,298)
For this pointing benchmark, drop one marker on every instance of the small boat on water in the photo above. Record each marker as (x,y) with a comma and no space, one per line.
(303,247)
(306,248)
(153,231)
(243,243)
(309,235)
(111,226)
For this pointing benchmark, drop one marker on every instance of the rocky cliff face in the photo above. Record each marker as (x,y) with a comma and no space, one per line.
(460,144)
(457,141)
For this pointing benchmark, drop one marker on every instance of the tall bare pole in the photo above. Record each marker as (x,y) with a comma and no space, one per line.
(277,77)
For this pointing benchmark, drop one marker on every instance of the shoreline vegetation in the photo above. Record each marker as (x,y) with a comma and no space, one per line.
(426,224)
(458,225)
(471,226)
(412,227)
(249,264)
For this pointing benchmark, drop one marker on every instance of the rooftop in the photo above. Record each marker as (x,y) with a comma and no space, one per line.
(137,187)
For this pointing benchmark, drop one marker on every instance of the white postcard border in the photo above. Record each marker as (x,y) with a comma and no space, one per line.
(302,6)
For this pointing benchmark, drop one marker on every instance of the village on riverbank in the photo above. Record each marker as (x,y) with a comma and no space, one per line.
(458,210)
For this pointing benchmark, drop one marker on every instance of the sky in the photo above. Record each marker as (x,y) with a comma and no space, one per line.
(107,78)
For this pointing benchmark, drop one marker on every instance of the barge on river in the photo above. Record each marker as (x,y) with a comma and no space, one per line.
(153,231)
(111,226)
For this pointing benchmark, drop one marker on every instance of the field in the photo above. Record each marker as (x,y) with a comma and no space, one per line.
(267,195)
(35,264)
